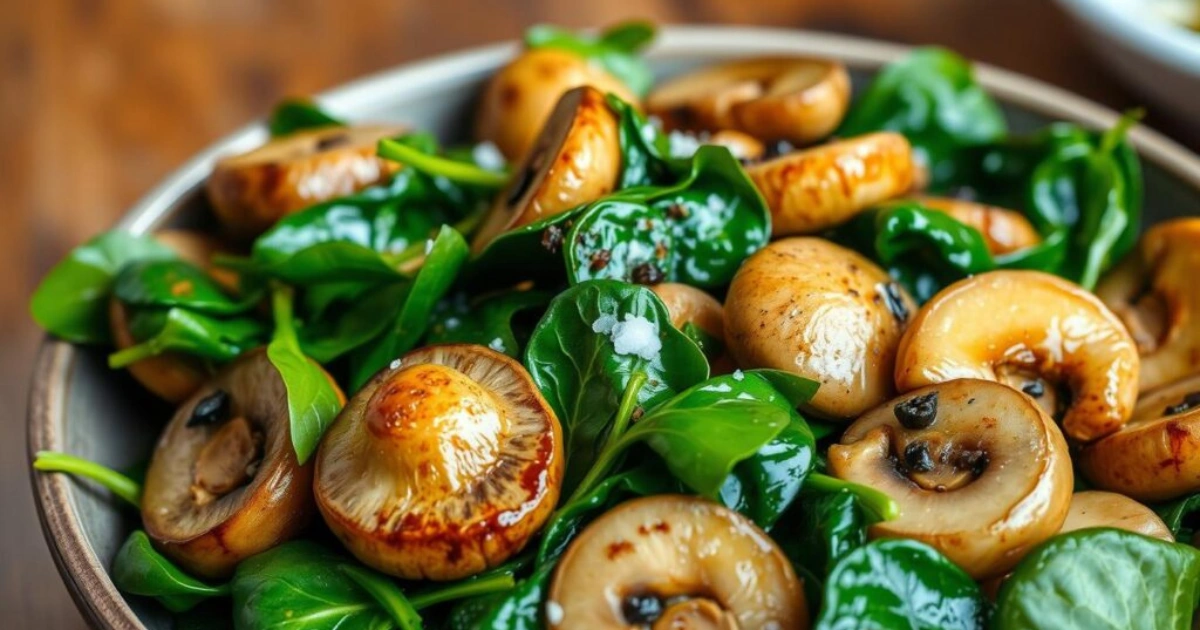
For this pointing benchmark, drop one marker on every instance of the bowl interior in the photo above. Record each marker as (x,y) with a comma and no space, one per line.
(80,406)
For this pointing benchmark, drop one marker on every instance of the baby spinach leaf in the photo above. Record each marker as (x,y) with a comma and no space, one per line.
(530,252)
(764,485)
(386,594)
(1177,515)
(1102,579)
(293,115)
(519,609)
(825,527)
(188,332)
(932,98)
(437,274)
(898,583)
(139,569)
(122,486)
(72,300)
(621,240)
(645,152)
(583,352)
(167,283)
(615,50)
(487,321)
(349,328)
(313,399)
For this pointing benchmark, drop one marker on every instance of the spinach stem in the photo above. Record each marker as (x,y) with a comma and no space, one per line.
(133,354)
(878,505)
(434,165)
(613,444)
(387,594)
(115,482)
(282,298)
(468,588)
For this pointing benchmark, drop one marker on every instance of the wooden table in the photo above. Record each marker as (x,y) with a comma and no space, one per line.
(99,99)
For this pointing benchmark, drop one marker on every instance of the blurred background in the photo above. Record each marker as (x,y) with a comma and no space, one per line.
(99,99)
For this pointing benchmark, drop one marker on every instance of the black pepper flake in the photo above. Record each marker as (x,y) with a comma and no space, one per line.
(646,273)
(1189,401)
(641,609)
(917,457)
(677,211)
(974,461)
(894,300)
(212,409)
(552,239)
(600,259)
(1035,389)
(918,412)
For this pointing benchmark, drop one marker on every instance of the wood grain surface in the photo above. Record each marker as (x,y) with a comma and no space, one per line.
(99,99)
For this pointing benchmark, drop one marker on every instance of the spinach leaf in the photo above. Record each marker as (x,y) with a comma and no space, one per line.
(487,321)
(362,320)
(584,350)
(645,151)
(519,609)
(188,332)
(167,283)
(621,240)
(932,98)
(825,527)
(72,300)
(764,485)
(119,484)
(386,594)
(294,115)
(1177,515)
(615,50)
(437,274)
(1102,578)
(313,399)
(138,569)
(898,583)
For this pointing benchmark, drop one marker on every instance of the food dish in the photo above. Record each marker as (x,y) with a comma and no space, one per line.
(636,347)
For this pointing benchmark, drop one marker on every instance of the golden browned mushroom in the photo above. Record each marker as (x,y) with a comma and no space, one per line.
(1156,456)
(519,99)
(224,484)
(1156,294)
(665,560)
(1034,332)
(688,305)
(577,159)
(443,465)
(822,311)
(773,98)
(251,191)
(978,470)
(1094,508)
(1003,230)
(815,189)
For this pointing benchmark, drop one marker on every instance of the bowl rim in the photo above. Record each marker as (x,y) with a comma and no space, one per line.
(87,579)
(1171,44)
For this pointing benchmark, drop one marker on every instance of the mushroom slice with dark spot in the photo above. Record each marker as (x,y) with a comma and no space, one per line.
(1005,231)
(1094,508)
(1156,456)
(1000,480)
(1014,326)
(808,306)
(815,189)
(249,192)
(1155,294)
(444,464)
(218,493)
(664,560)
(576,159)
(772,98)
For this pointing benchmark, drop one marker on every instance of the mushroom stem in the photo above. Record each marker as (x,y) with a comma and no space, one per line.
(460,172)
(878,505)
(115,482)
(612,444)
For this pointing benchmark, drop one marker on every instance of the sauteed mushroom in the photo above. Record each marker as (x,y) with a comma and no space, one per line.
(665,560)
(815,189)
(251,191)
(576,160)
(443,465)
(773,98)
(821,311)
(1157,455)
(1093,508)
(519,99)
(224,484)
(1004,230)
(688,305)
(979,471)
(1155,293)
(1032,331)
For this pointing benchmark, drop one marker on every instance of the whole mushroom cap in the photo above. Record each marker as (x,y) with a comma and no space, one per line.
(1095,508)
(978,470)
(813,308)
(444,464)
(702,562)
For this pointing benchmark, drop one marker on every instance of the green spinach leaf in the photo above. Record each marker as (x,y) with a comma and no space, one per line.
(188,332)
(487,321)
(166,283)
(615,50)
(294,115)
(343,330)
(139,569)
(1177,515)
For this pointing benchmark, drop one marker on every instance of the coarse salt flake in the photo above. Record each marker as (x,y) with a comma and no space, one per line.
(637,336)
(554,612)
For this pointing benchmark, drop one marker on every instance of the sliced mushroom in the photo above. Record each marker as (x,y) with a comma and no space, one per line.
(1155,293)
(979,471)
(577,159)
(822,311)
(1004,230)
(443,465)
(1034,332)
(519,99)
(812,190)
(223,483)
(688,305)
(773,98)
(251,191)
(1093,508)
(1156,456)
(656,561)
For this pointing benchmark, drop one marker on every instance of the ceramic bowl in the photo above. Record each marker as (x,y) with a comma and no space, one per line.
(80,406)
